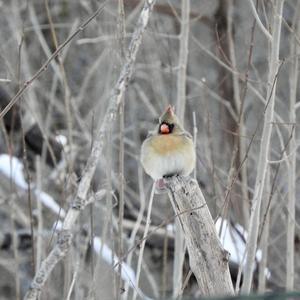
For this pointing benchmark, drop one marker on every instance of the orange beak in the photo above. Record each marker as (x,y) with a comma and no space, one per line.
(164,128)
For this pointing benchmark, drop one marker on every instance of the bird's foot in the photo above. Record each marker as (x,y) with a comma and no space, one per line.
(160,186)
(169,175)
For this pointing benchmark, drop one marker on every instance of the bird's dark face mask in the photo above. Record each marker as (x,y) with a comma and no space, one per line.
(165,128)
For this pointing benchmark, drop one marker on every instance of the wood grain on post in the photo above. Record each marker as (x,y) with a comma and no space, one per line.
(208,259)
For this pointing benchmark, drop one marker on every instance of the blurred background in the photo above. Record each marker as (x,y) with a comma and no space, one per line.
(46,139)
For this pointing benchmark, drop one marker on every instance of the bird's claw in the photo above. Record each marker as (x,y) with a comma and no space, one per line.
(160,186)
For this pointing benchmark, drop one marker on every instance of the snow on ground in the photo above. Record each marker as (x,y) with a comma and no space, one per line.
(61,139)
(48,201)
(13,168)
(233,240)
(127,273)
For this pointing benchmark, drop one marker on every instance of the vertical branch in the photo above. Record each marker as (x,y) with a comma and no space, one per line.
(109,205)
(121,197)
(164,268)
(15,249)
(136,225)
(183,58)
(67,93)
(39,235)
(14,230)
(239,108)
(10,149)
(258,21)
(29,198)
(264,237)
(195,132)
(92,233)
(179,255)
(148,221)
(181,102)
(121,39)
(121,28)
(290,254)
(75,275)
(264,149)
(107,224)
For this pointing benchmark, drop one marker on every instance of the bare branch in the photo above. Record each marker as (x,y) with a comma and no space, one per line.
(264,151)
(291,205)
(148,221)
(259,23)
(80,200)
(44,67)
(183,58)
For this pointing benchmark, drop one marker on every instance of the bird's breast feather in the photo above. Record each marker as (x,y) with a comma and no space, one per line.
(167,144)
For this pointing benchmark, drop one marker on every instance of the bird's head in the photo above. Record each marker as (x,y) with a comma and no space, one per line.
(169,123)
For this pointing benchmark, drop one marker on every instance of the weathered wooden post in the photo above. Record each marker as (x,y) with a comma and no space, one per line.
(208,259)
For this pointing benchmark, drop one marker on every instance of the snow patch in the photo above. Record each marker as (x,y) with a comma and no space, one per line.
(233,240)
(12,168)
(48,201)
(127,273)
(61,139)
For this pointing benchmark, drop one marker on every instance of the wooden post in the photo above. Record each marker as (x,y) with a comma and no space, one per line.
(208,259)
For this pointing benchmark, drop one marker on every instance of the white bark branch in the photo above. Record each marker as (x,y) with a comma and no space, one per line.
(142,247)
(239,111)
(80,200)
(180,247)
(264,150)
(259,23)
(251,87)
(179,256)
(183,58)
(290,242)
(208,259)
(264,244)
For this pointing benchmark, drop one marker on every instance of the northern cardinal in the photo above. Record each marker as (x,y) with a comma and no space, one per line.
(168,150)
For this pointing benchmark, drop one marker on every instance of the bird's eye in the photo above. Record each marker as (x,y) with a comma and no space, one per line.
(171,127)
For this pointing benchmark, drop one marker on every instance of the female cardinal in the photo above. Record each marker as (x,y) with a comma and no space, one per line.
(169,150)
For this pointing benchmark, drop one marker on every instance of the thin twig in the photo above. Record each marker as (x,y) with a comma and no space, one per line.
(44,67)
(121,194)
(121,32)
(137,224)
(259,23)
(67,93)
(29,198)
(148,221)
(39,237)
